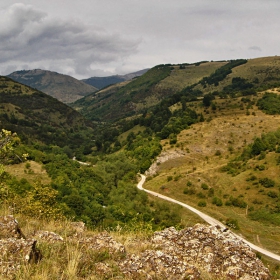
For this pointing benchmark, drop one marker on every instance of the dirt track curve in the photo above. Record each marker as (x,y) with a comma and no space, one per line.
(206,218)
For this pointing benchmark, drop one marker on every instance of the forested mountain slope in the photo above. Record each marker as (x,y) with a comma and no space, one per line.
(36,116)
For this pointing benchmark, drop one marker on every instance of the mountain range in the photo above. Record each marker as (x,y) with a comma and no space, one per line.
(62,87)
(66,88)
(102,82)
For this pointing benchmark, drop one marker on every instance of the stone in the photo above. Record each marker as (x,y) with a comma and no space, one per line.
(9,228)
(48,236)
(16,252)
(102,241)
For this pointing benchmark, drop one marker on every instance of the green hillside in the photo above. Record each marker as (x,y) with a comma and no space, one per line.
(207,134)
(220,78)
(36,116)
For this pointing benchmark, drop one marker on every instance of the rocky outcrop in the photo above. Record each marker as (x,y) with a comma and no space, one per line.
(9,228)
(163,157)
(15,249)
(193,251)
(100,242)
(48,236)
(198,252)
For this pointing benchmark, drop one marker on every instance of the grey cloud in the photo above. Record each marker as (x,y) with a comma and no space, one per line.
(255,48)
(30,36)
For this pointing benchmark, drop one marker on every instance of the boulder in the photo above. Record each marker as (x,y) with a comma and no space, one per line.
(9,227)
(102,241)
(15,249)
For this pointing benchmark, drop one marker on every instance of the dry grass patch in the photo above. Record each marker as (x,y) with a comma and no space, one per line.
(31,171)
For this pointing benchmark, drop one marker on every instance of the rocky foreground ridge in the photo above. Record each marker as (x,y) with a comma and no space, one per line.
(198,252)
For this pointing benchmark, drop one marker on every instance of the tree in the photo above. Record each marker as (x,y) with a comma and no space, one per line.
(207,99)
(8,142)
(258,146)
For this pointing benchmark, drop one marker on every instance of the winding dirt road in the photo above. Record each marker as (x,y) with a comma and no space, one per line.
(206,218)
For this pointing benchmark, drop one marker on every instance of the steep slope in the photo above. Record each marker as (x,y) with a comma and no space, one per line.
(132,98)
(102,82)
(220,78)
(62,87)
(35,115)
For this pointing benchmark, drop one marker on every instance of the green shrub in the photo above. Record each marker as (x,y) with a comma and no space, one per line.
(217,201)
(232,223)
(189,191)
(267,183)
(202,203)
(272,194)
(169,178)
(201,195)
(204,186)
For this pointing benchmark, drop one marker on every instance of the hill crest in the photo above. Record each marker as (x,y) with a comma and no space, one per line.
(62,87)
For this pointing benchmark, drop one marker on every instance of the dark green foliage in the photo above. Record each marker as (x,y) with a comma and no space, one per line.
(269,103)
(272,194)
(251,178)
(232,223)
(217,201)
(234,167)
(165,217)
(268,142)
(201,203)
(179,121)
(222,72)
(267,183)
(39,117)
(207,99)
(143,150)
(201,195)
(204,186)
(258,147)
(237,202)
(239,84)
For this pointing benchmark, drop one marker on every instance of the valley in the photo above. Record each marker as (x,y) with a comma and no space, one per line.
(205,134)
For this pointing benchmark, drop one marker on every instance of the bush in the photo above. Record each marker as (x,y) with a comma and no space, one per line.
(200,195)
(267,183)
(272,194)
(202,203)
(189,191)
(217,201)
(237,202)
(169,178)
(204,186)
(232,223)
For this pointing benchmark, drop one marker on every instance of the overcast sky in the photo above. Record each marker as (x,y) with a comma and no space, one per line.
(85,38)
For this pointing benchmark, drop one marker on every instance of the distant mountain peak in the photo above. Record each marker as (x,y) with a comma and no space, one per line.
(62,87)
(102,82)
